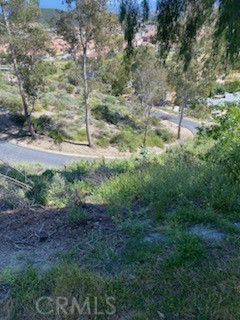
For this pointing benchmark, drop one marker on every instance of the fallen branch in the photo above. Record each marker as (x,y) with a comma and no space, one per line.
(16,182)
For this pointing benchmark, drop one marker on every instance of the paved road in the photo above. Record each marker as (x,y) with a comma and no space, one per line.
(10,152)
(188,124)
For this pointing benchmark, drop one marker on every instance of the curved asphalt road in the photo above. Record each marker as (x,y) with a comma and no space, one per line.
(187,124)
(10,152)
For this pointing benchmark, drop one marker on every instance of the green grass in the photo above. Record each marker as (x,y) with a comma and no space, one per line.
(176,274)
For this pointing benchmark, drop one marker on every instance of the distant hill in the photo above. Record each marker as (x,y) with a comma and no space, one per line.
(49,16)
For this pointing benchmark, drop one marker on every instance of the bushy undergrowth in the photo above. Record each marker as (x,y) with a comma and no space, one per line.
(226,135)
(168,186)
(148,258)
(229,86)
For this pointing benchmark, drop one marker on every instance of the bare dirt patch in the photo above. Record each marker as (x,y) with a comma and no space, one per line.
(207,233)
(35,236)
(69,148)
(173,128)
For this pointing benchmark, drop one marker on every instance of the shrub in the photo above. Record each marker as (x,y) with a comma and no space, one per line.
(164,134)
(20,119)
(58,135)
(81,135)
(106,113)
(49,68)
(70,89)
(43,124)
(173,185)
(227,146)
(110,100)
(68,65)
(126,141)
(217,88)
(10,101)
(11,197)
(232,86)
(199,111)
(76,214)
(101,125)
(154,141)
(102,142)
(57,188)
(74,75)
(155,121)
(60,107)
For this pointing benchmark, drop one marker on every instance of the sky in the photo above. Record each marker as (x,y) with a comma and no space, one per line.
(57,4)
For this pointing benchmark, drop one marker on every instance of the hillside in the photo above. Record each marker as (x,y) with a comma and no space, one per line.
(120,160)
(156,237)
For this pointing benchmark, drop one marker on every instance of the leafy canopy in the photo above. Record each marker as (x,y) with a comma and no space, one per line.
(181,20)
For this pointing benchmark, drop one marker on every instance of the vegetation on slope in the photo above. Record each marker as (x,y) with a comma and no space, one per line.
(172,251)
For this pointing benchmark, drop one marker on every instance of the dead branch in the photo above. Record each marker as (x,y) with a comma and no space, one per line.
(16,182)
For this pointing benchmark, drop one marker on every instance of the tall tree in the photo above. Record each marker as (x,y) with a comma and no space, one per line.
(149,83)
(132,12)
(26,44)
(189,85)
(81,25)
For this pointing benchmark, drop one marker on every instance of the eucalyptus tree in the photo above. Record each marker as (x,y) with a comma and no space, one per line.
(83,23)
(131,14)
(149,83)
(181,20)
(190,85)
(27,43)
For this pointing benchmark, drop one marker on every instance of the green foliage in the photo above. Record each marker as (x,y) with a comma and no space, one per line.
(149,246)
(227,137)
(204,185)
(154,140)
(49,69)
(232,86)
(81,135)
(74,74)
(217,88)
(58,135)
(187,247)
(11,101)
(30,285)
(43,124)
(114,74)
(108,113)
(199,110)
(130,12)
(70,89)
(48,16)
(126,140)
(102,142)
(198,13)
(76,214)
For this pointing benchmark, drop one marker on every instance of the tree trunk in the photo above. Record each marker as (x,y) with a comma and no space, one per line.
(86,97)
(180,121)
(147,125)
(19,78)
